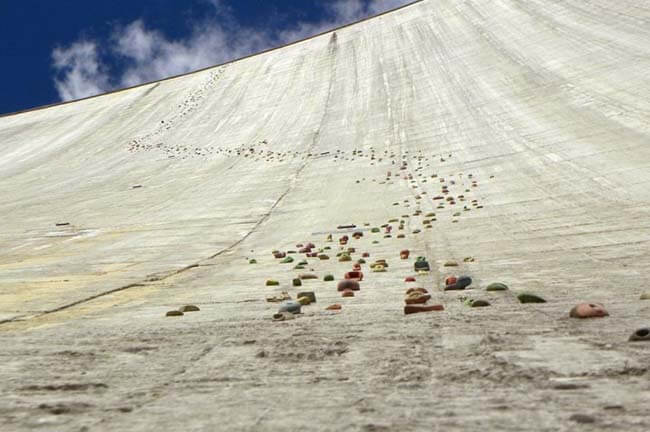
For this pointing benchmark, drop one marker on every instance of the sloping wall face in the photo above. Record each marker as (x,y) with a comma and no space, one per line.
(532,116)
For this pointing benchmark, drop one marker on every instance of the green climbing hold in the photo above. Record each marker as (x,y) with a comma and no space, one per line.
(361,261)
(252,261)
(530,298)
(299,267)
(272,282)
(303,262)
(375,230)
(328,278)
(497,286)
(174,313)
(287,260)
(479,303)
(375,241)
(297,282)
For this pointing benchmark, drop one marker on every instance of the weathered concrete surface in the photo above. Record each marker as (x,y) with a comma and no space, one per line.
(546,104)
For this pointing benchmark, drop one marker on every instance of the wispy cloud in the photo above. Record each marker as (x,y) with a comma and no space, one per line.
(146,54)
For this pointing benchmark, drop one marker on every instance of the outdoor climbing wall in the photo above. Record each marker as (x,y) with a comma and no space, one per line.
(504,143)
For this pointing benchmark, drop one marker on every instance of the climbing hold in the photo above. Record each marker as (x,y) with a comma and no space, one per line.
(496,286)
(272,282)
(279,298)
(299,267)
(287,260)
(349,226)
(400,236)
(479,303)
(416,297)
(361,261)
(411,309)
(356,267)
(174,313)
(323,257)
(404,254)
(365,255)
(530,298)
(375,230)
(278,254)
(328,278)
(451,280)
(378,268)
(307,276)
(421,264)
(347,293)
(348,284)
(451,264)
(335,306)
(344,258)
(588,310)
(189,308)
(354,275)
(642,334)
(645,296)
(283,316)
(309,294)
(468,259)
(290,306)
(460,284)
(304,300)
(409,279)
(297,282)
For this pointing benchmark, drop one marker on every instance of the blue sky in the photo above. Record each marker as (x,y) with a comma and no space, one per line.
(68,49)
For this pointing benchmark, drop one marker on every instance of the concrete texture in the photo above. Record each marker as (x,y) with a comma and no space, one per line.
(169,188)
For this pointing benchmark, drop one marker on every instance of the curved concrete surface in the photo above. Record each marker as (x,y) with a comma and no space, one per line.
(119,208)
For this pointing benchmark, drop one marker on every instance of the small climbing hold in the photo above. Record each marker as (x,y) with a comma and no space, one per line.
(354,275)
(309,294)
(297,282)
(416,297)
(328,278)
(479,303)
(283,316)
(174,313)
(279,298)
(451,264)
(411,309)
(349,226)
(323,257)
(378,268)
(461,283)
(278,254)
(287,260)
(252,261)
(375,230)
(497,286)
(365,255)
(272,282)
(299,267)
(645,296)
(451,280)
(335,306)
(189,308)
(347,293)
(588,310)
(530,298)
(348,284)
(404,254)
(468,259)
(345,257)
(409,279)
(304,300)
(421,264)
(642,334)
(400,236)
(290,306)
(361,261)
(356,267)
(307,276)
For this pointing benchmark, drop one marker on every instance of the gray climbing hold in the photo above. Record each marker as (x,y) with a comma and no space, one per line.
(290,306)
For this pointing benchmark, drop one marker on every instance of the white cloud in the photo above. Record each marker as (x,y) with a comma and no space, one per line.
(83,74)
(147,54)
